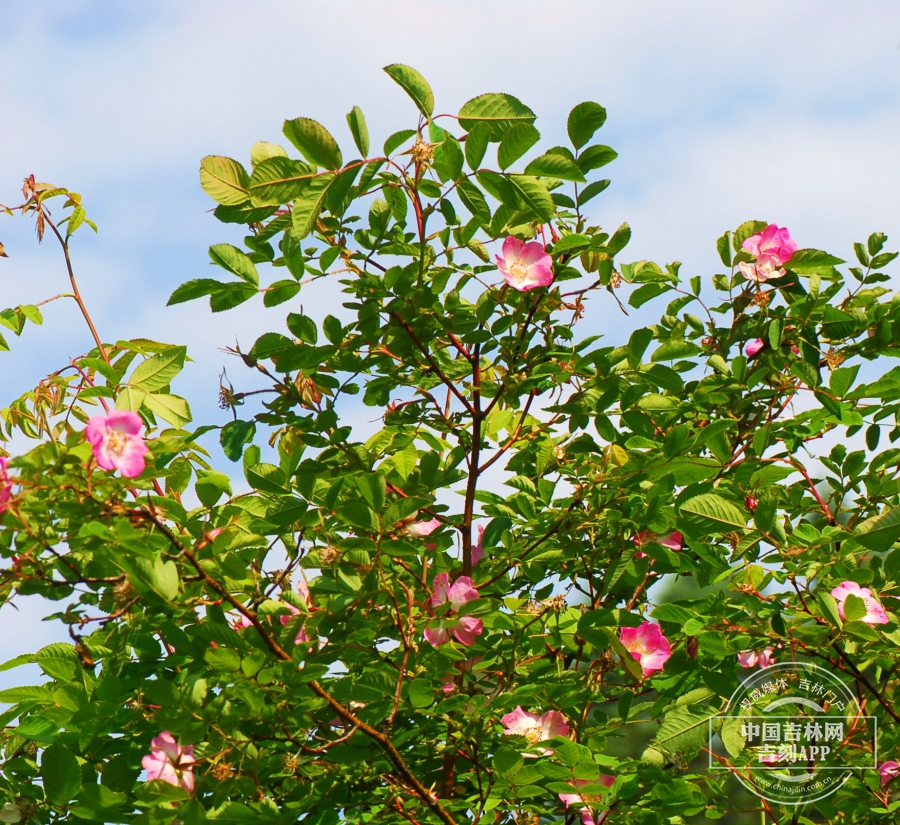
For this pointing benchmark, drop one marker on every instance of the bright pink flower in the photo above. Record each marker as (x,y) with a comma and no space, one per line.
(170,762)
(478,549)
(242,622)
(753,347)
(647,645)
(117,443)
(535,728)
(420,529)
(589,802)
(525,265)
(673,541)
(888,771)
(751,503)
(773,247)
(5,483)
(463,628)
(874,611)
(752,658)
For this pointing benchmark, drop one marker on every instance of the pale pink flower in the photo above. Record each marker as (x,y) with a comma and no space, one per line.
(525,265)
(535,728)
(478,548)
(647,645)
(284,618)
(772,248)
(420,529)
(874,611)
(588,802)
(241,622)
(888,771)
(117,443)
(752,658)
(463,628)
(753,347)
(170,762)
(5,483)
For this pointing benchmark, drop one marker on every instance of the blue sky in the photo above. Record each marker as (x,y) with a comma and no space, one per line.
(787,112)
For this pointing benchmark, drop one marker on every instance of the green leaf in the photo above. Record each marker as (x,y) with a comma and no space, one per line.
(807,261)
(414,85)
(592,190)
(210,487)
(567,243)
(684,731)
(59,661)
(713,511)
(158,370)
(314,142)
(498,111)
(373,488)
(229,296)
(268,478)
(476,144)
(18,661)
(224,180)
(279,292)
(518,139)
(879,532)
(594,157)
(357,122)
(171,408)
(585,119)
(554,165)
(234,261)
(421,693)
(191,290)
(842,379)
(279,180)
(234,435)
(854,608)
(262,150)
(303,327)
(776,332)
(724,248)
(130,398)
(675,350)
(732,735)
(829,607)
(474,201)
(223,659)
(396,140)
(533,193)
(61,774)
(309,205)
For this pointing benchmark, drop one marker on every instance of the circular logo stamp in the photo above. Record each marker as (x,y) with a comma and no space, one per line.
(794,733)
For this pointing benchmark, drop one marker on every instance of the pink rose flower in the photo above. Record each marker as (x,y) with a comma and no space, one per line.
(463,628)
(478,549)
(888,771)
(420,529)
(117,443)
(772,248)
(525,265)
(535,728)
(874,611)
(588,802)
(673,541)
(302,635)
(241,622)
(751,503)
(647,645)
(753,347)
(752,658)
(5,483)
(170,762)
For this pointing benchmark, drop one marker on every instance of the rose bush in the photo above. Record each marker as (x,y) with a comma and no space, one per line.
(477,619)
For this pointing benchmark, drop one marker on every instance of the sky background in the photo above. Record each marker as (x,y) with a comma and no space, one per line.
(720,112)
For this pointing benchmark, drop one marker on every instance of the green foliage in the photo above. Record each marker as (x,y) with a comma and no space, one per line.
(324,703)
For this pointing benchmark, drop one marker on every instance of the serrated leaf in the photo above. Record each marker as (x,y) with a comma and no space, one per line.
(584,120)
(130,398)
(263,150)
(307,208)
(476,144)
(357,122)
(61,774)
(235,434)
(224,180)
(594,157)
(233,260)
(191,290)
(498,111)
(555,165)
(534,196)
(171,408)
(279,180)
(158,370)
(805,261)
(518,139)
(314,141)
(414,85)
(879,532)
(711,509)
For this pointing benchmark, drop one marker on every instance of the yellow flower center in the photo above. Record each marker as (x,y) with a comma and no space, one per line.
(534,733)
(117,442)
(518,272)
